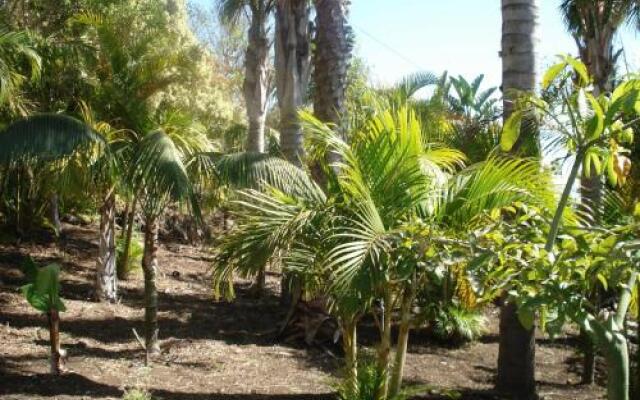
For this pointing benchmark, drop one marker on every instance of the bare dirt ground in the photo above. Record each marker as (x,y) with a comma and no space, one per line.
(211,350)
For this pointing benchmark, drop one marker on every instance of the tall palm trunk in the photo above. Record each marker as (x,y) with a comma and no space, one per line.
(106,274)
(255,92)
(293,59)
(255,85)
(150,268)
(516,353)
(331,59)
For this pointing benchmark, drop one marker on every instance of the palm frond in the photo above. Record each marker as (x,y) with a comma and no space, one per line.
(159,172)
(259,171)
(46,137)
(493,184)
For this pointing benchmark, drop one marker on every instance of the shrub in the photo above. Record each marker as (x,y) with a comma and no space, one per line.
(455,324)
(136,394)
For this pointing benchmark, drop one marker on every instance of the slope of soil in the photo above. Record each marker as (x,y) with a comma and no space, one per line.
(210,350)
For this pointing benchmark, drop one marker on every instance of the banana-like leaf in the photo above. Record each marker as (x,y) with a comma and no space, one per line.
(43,293)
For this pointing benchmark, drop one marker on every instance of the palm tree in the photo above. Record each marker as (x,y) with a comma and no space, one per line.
(333,45)
(516,354)
(293,62)
(16,48)
(256,75)
(161,177)
(349,241)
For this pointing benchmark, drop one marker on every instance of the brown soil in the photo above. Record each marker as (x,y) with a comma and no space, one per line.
(210,350)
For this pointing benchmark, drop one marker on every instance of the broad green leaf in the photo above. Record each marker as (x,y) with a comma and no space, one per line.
(44,292)
(580,69)
(552,73)
(511,131)
(595,125)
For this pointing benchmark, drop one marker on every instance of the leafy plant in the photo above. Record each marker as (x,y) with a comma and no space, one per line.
(136,394)
(456,324)
(43,293)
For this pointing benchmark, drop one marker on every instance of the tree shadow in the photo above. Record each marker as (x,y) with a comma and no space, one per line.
(72,384)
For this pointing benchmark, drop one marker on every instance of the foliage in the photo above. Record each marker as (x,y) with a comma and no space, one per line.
(43,289)
(135,254)
(458,325)
(555,276)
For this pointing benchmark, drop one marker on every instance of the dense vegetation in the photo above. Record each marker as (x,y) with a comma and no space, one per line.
(388,208)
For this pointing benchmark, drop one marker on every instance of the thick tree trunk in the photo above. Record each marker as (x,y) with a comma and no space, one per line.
(150,268)
(331,59)
(255,85)
(123,266)
(292,62)
(106,274)
(57,365)
(516,354)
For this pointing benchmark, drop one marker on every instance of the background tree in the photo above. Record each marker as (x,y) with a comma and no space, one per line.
(293,62)
(256,72)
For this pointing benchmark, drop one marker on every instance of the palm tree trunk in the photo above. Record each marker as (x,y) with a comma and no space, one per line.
(123,266)
(150,267)
(54,341)
(292,62)
(332,56)
(403,341)
(350,346)
(331,59)
(255,93)
(54,212)
(384,348)
(516,353)
(106,274)
(255,85)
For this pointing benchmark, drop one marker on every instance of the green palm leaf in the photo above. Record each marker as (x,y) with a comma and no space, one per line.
(160,173)
(46,137)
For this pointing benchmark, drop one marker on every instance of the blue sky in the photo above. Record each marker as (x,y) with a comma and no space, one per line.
(397,37)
